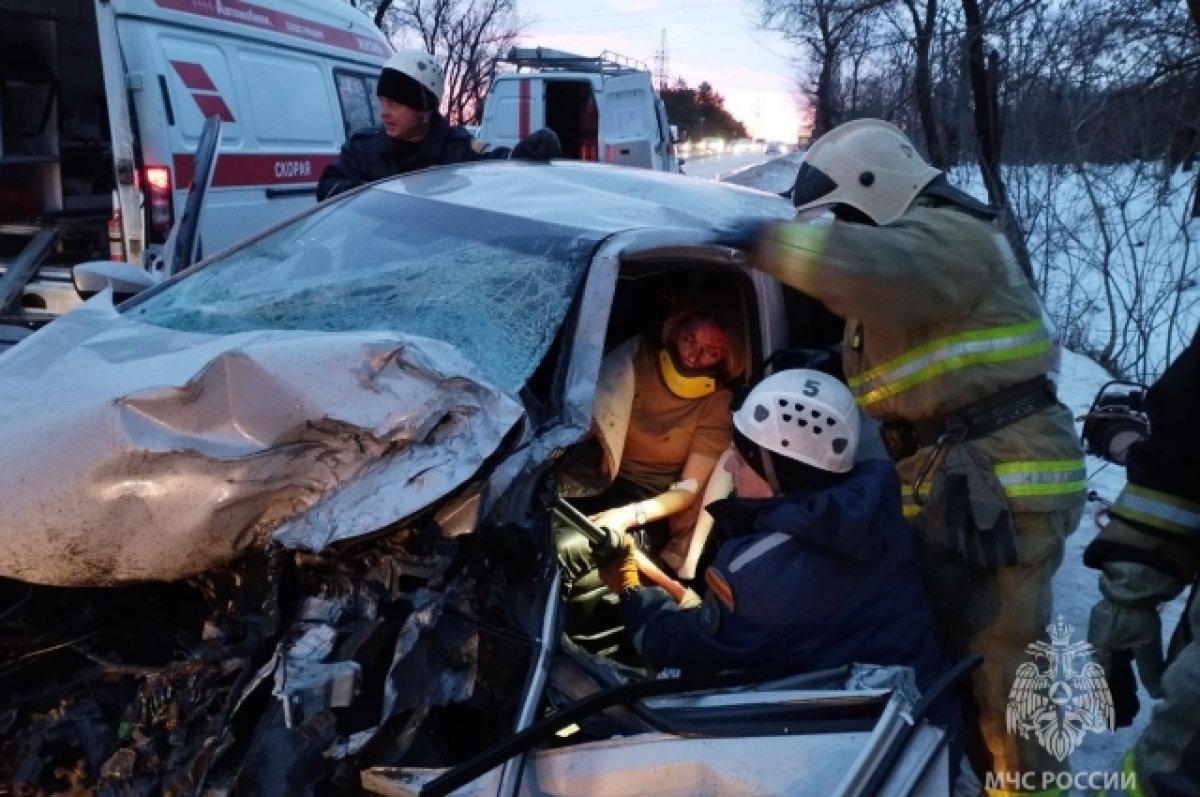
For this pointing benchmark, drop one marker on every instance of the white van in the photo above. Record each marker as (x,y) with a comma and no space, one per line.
(101,107)
(602,108)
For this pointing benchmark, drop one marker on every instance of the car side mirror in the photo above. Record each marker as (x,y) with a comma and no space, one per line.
(125,279)
(678,134)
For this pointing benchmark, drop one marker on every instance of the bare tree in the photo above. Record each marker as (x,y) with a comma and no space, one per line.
(1112,253)
(983,74)
(378,10)
(1079,119)
(874,78)
(469,37)
(923,15)
(825,29)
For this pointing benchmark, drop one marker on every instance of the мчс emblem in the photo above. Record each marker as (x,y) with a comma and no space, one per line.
(1065,699)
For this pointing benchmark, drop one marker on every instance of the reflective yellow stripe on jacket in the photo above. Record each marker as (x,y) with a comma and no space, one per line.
(948,354)
(1163,511)
(1020,480)
(1036,479)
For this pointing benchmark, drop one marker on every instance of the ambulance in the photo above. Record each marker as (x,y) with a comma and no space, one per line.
(102,103)
(603,108)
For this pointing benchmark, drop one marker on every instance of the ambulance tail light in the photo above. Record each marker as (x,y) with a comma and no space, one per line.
(158,202)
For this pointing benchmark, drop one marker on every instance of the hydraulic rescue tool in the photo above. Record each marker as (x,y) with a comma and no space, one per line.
(648,570)
(1115,421)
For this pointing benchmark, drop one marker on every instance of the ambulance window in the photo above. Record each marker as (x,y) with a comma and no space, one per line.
(360,106)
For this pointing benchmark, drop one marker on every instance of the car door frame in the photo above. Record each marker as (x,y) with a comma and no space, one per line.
(889,739)
(585,352)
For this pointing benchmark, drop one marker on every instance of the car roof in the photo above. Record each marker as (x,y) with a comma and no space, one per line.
(598,197)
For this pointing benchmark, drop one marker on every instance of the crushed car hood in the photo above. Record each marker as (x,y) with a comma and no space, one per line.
(134,452)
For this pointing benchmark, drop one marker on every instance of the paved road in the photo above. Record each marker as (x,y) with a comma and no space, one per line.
(718,167)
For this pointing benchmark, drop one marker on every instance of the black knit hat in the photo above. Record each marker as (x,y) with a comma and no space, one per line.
(403,89)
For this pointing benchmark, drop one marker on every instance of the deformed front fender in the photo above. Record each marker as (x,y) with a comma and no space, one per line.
(133,452)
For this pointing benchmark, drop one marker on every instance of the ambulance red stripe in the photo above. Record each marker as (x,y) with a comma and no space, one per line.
(239,171)
(194,76)
(523,108)
(254,16)
(213,105)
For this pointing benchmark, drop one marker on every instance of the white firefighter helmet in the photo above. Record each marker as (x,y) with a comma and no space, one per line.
(803,415)
(422,68)
(867,164)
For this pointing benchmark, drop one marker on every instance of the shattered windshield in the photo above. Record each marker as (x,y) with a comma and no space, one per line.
(495,286)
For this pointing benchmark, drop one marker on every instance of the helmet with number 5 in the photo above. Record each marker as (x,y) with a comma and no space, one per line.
(804,415)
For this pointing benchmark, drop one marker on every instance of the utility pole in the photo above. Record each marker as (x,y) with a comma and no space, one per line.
(662,63)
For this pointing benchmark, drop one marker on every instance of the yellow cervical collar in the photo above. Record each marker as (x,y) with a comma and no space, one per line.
(686,387)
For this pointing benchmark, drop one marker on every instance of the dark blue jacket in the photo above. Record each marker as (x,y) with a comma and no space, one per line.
(371,155)
(809,581)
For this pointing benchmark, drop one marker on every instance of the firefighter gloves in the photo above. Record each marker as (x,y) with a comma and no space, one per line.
(977,523)
(789,251)
(1125,627)
(608,550)
(617,562)
(1121,635)
(743,234)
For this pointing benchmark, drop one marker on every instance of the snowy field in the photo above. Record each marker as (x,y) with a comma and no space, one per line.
(1075,586)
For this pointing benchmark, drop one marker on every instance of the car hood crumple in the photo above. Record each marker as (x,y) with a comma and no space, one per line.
(133,452)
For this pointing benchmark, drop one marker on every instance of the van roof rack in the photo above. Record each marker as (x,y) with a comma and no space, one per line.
(544,58)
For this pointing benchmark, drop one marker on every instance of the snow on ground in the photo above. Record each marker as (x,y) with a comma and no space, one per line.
(1075,586)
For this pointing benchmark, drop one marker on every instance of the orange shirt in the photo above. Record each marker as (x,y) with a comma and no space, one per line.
(664,429)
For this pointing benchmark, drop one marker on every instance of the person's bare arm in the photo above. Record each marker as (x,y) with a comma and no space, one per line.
(679,498)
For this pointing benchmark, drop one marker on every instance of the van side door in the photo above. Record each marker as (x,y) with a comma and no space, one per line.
(120,123)
(628,122)
(515,107)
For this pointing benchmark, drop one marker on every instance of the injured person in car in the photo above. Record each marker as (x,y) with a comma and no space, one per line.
(813,564)
(672,391)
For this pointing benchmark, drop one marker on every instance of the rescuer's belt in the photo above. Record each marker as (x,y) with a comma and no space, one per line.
(975,420)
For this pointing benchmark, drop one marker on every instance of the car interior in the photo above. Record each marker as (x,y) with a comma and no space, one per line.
(645,294)
(595,650)
(571,112)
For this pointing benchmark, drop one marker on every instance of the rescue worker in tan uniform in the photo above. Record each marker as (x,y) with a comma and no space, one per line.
(945,344)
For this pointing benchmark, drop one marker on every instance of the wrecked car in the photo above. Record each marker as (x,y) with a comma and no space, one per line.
(282,524)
